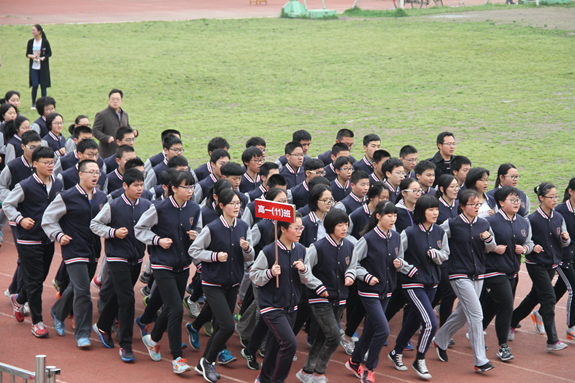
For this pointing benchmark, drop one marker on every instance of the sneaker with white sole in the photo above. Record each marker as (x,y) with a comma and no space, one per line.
(193,307)
(504,354)
(180,365)
(356,368)
(441,353)
(511,335)
(7,293)
(556,346)
(17,309)
(397,360)
(303,377)
(420,367)
(571,333)
(153,348)
(39,330)
(538,322)
(347,345)
(26,309)
(320,379)
(486,367)
(224,357)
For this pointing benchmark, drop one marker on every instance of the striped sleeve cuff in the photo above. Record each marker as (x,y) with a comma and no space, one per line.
(19,219)
(320,290)
(199,267)
(488,239)
(412,272)
(565,240)
(248,250)
(433,253)
(368,278)
(269,273)
(304,270)
(59,237)
(112,233)
(350,275)
(156,240)
(214,256)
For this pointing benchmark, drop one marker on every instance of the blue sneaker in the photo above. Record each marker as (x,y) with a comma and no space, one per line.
(409,347)
(355,338)
(84,342)
(58,325)
(194,336)
(153,349)
(127,355)
(142,327)
(184,346)
(385,344)
(225,357)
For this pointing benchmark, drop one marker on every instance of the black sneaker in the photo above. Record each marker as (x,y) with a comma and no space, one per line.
(441,353)
(251,359)
(127,355)
(207,370)
(397,360)
(262,352)
(421,369)
(356,368)
(485,367)
(504,354)
(244,342)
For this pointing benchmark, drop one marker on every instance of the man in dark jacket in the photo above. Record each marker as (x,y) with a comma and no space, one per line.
(108,121)
(442,159)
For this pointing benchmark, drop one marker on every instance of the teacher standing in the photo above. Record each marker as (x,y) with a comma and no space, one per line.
(108,121)
(39,52)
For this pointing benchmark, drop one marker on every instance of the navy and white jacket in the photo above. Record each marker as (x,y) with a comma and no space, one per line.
(39,126)
(13,148)
(326,158)
(447,211)
(70,214)
(17,170)
(330,173)
(304,210)
(375,252)
(330,263)
(248,184)
(363,164)
(524,208)
(153,161)
(422,270)
(404,217)
(146,194)
(209,214)
(249,214)
(292,176)
(467,257)
(310,234)
(288,295)
(219,236)
(204,187)
(29,199)
(509,232)
(165,219)
(203,171)
(261,234)
(258,192)
(546,232)
(71,159)
(393,193)
(338,191)
(352,203)
(373,178)
(300,195)
(121,212)
(566,210)
(358,219)
(70,178)
(55,142)
(115,181)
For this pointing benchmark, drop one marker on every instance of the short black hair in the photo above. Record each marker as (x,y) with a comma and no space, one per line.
(255,141)
(42,152)
(343,133)
(501,194)
(50,119)
(167,175)
(464,198)
(333,218)
(340,161)
(225,196)
(31,136)
(122,131)
(124,149)
(423,166)
(424,202)
(116,91)
(315,194)
(458,161)
(83,164)
(291,146)
(86,144)
(266,167)
(178,178)
(273,193)
(133,163)
(217,154)
(232,169)
(370,138)
(357,176)
(318,181)
(379,154)
(169,132)
(301,135)
(441,136)
(407,150)
(250,153)
(177,161)
(276,180)
(81,129)
(339,147)
(132,175)
(473,176)
(220,185)
(42,102)
(5,108)
(218,143)
(390,164)
(375,189)
(170,141)
(312,164)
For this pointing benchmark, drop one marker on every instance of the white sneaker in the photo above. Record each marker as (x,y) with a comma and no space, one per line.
(557,346)
(538,322)
(571,332)
(26,309)
(303,377)
(7,293)
(194,308)
(347,345)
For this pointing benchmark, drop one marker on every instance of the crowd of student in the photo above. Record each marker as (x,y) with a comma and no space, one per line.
(371,237)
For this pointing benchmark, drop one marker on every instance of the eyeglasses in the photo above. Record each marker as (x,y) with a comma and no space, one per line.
(321,173)
(257,160)
(115,99)
(399,173)
(514,178)
(177,150)
(31,147)
(90,155)
(350,169)
(551,196)
(476,205)
(46,163)
(188,188)
(416,191)
(298,229)
(298,155)
(93,173)
(57,123)
(327,201)
(449,144)
(455,187)
(129,140)
(514,201)
(235,203)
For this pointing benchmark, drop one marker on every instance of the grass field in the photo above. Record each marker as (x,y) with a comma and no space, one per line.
(506,91)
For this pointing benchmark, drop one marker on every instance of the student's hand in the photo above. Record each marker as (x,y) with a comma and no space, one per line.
(222,257)
(565,235)
(244,244)
(348,281)
(520,249)
(299,265)
(324,294)
(491,211)
(62,151)
(193,234)
(396,263)
(65,240)
(276,270)
(27,223)
(110,140)
(165,243)
(484,235)
(121,233)
(538,249)
(373,281)
(500,249)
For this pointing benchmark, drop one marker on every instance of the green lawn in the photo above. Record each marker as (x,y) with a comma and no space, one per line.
(506,91)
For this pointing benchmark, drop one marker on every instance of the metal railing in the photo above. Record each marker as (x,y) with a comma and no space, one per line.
(42,373)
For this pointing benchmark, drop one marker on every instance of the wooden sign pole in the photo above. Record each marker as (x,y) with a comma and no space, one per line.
(276,243)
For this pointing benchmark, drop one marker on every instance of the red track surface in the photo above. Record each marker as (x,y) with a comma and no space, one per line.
(18,347)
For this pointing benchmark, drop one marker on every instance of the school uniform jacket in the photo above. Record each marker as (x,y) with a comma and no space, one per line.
(330,173)
(422,269)
(546,232)
(566,210)
(216,237)
(292,176)
(70,214)
(29,199)
(310,223)
(39,126)
(203,171)
(363,164)
(375,252)
(17,170)
(55,142)
(249,214)
(71,177)
(338,190)
(467,249)
(204,187)
(288,295)
(524,208)
(261,234)
(248,184)
(165,219)
(330,263)
(393,193)
(209,214)
(509,232)
(153,161)
(446,211)
(71,159)
(326,158)
(373,178)
(300,195)
(258,192)
(121,212)
(352,203)
(115,181)
(13,148)
(358,219)
(404,217)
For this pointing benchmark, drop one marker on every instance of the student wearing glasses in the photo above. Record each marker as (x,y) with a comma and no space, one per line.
(410,193)
(442,159)
(124,136)
(54,138)
(253,160)
(470,237)
(341,186)
(478,180)
(408,155)
(172,147)
(371,143)
(320,202)
(507,175)
(300,193)
(394,174)
(338,150)
(87,150)
(293,171)
(550,235)
(304,138)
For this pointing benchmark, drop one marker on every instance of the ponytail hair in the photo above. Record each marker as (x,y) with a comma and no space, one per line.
(220,185)
(39,28)
(502,171)
(11,128)
(570,186)
(543,189)
(382,208)
(465,197)
(404,185)
(76,122)
(443,182)
(374,190)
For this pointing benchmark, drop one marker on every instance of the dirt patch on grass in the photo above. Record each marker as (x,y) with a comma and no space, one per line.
(543,17)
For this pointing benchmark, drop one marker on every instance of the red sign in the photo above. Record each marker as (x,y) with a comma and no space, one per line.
(276,211)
